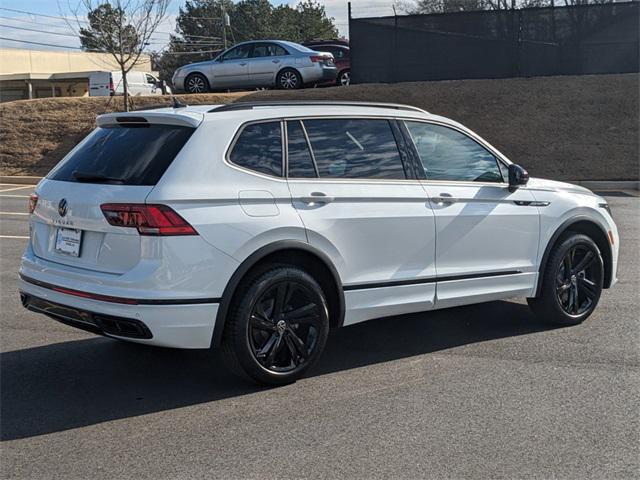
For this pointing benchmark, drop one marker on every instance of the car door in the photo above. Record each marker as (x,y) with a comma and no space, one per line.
(486,233)
(136,83)
(265,62)
(152,85)
(231,70)
(362,205)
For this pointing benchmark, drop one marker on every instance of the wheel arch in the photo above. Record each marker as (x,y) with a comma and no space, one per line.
(288,67)
(292,252)
(587,226)
(197,72)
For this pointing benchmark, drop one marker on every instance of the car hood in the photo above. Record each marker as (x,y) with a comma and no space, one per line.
(195,64)
(544,184)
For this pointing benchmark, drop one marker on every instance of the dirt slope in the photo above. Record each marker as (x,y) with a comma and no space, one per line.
(574,128)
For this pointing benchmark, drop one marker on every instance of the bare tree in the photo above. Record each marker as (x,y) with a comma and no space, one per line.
(122,28)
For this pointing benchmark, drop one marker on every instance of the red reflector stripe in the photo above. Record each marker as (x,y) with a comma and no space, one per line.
(123,300)
(95,296)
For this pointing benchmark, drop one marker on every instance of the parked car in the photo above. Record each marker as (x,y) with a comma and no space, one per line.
(340,51)
(256,64)
(104,84)
(257,228)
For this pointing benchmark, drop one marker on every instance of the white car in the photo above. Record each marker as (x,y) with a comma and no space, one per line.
(259,227)
(105,84)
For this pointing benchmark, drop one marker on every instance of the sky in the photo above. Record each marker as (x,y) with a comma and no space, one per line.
(48,33)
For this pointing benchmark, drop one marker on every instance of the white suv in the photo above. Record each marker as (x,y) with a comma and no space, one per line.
(258,227)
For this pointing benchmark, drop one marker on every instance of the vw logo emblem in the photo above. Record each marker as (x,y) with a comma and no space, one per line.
(62,207)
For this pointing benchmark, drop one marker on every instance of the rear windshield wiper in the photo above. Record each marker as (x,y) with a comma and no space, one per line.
(95,177)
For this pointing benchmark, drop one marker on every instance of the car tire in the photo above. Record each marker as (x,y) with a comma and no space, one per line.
(344,78)
(572,282)
(196,83)
(277,326)
(288,79)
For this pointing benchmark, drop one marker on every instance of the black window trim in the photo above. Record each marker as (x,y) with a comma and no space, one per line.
(400,145)
(408,141)
(498,158)
(309,149)
(283,144)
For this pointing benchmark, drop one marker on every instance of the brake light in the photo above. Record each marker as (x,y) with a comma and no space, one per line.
(33,201)
(316,58)
(158,220)
(112,90)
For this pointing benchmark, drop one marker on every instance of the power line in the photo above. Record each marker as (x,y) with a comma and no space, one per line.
(37,14)
(16,19)
(39,31)
(38,43)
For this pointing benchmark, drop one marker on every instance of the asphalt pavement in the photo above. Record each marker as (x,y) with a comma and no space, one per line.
(470,393)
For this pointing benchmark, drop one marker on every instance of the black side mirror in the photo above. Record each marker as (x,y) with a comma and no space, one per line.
(517,176)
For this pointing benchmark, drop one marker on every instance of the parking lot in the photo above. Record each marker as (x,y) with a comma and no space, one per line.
(476,392)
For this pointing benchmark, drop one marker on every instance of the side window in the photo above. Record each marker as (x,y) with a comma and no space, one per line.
(354,148)
(260,50)
(298,154)
(151,79)
(241,51)
(259,148)
(278,51)
(267,50)
(447,154)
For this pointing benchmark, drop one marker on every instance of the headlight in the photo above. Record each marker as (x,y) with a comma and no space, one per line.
(606,207)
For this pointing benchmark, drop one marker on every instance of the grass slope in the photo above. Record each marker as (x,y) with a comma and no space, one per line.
(572,128)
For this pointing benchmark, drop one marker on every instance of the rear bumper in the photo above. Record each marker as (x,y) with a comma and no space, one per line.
(162,324)
(318,74)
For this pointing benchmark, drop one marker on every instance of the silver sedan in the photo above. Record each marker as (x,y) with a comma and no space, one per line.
(265,63)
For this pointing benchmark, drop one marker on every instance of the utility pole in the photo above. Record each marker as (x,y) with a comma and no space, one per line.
(225,23)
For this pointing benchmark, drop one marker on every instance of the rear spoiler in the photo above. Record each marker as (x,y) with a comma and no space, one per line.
(183,118)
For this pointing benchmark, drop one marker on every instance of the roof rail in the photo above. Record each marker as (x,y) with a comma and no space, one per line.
(229,107)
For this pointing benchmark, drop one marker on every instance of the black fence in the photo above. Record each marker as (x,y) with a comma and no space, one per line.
(576,40)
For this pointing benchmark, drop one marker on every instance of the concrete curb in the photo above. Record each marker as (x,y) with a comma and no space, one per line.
(590,184)
(19,179)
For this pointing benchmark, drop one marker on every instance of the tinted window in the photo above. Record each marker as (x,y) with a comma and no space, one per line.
(337,52)
(241,51)
(447,154)
(129,155)
(300,160)
(354,148)
(259,148)
(268,50)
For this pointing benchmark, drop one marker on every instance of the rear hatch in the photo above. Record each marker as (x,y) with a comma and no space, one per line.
(118,163)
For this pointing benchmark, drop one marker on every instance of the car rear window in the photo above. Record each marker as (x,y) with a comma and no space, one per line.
(124,154)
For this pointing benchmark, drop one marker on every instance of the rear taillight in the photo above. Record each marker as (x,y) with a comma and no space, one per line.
(316,58)
(112,90)
(158,220)
(33,201)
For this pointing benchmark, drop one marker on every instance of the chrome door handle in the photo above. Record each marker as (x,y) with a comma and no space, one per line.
(316,197)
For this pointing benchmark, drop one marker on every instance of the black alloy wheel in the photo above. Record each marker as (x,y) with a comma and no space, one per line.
(278,326)
(577,280)
(284,327)
(572,282)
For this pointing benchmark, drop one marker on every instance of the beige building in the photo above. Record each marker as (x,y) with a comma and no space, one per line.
(39,74)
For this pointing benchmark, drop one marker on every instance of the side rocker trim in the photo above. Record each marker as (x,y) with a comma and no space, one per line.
(251,261)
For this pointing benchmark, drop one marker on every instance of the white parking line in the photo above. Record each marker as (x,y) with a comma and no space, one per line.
(13,213)
(16,188)
(14,196)
(22,237)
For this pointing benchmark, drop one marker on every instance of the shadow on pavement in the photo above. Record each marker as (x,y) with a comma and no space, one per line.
(74,384)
